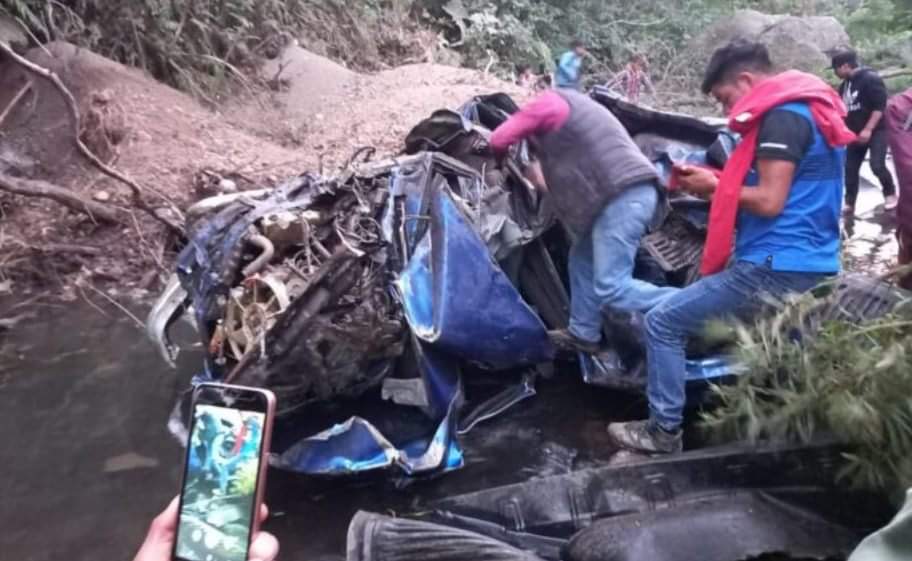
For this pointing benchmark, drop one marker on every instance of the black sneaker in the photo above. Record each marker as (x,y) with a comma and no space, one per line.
(642,436)
(566,341)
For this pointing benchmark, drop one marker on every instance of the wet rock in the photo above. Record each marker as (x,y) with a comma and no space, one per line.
(227,186)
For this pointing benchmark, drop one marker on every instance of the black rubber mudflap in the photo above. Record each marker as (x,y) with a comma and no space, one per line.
(676,245)
(859,298)
(375,537)
(743,524)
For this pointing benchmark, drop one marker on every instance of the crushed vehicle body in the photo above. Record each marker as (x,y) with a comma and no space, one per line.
(716,504)
(406,276)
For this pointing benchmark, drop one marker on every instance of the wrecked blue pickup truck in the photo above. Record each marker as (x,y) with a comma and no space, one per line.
(402,279)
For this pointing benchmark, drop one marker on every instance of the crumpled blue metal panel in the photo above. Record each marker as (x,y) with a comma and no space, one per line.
(457,298)
(460,307)
(357,446)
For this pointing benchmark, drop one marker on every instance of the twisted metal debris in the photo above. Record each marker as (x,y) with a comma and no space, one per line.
(294,288)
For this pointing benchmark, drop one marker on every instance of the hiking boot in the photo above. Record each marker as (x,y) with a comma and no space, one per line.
(643,436)
(564,340)
(891,202)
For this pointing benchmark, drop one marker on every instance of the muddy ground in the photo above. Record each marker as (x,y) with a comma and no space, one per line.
(303,113)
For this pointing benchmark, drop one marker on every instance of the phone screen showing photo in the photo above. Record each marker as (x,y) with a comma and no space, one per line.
(220,484)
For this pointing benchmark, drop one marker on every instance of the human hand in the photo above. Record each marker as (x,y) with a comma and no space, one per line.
(533,172)
(864,137)
(159,542)
(695,180)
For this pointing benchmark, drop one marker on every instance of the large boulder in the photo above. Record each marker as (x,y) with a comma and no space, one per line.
(805,43)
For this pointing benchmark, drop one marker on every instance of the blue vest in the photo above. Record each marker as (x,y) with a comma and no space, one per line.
(805,236)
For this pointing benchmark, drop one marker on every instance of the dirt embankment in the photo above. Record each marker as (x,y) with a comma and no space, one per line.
(167,141)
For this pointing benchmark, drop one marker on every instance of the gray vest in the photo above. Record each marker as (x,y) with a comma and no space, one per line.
(589,161)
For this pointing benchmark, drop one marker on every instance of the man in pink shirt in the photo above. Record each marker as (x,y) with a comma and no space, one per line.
(607,194)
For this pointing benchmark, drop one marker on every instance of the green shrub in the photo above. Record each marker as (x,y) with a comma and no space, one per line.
(848,381)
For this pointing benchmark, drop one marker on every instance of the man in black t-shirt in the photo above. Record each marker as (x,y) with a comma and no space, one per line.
(865,96)
(784,135)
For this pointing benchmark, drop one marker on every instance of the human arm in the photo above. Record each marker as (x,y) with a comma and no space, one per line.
(766,199)
(159,542)
(782,142)
(546,113)
(533,173)
(864,136)
(874,98)
(647,83)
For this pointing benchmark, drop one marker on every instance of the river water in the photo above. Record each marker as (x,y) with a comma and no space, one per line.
(87,459)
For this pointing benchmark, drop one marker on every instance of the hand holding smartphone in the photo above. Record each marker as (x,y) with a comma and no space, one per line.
(224,474)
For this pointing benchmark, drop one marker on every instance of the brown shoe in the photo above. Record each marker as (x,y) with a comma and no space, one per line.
(642,436)
(564,340)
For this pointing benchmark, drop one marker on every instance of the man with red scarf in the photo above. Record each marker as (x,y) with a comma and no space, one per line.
(783,188)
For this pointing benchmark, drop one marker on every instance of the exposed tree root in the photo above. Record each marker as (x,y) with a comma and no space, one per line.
(137,191)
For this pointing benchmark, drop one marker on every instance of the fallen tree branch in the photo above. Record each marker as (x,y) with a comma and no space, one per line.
(10,323)
(136,190)
(117,305)
(895,73)
(18,97)
(69,199)
(69,248)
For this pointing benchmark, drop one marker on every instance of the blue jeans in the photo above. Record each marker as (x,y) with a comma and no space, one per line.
(601,263)
(735,292)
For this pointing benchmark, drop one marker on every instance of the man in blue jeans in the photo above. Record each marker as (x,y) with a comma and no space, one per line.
(605,191)
(787,229)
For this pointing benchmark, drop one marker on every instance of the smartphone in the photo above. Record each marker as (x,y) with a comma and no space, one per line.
(224,472)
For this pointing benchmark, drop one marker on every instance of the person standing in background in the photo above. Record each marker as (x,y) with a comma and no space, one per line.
(524,77)
(633,79)
(865,95)
(898,119)
(570,66)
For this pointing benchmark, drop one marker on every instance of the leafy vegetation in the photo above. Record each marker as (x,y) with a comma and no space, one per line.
(883,29)
(806,378)
(196,44)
